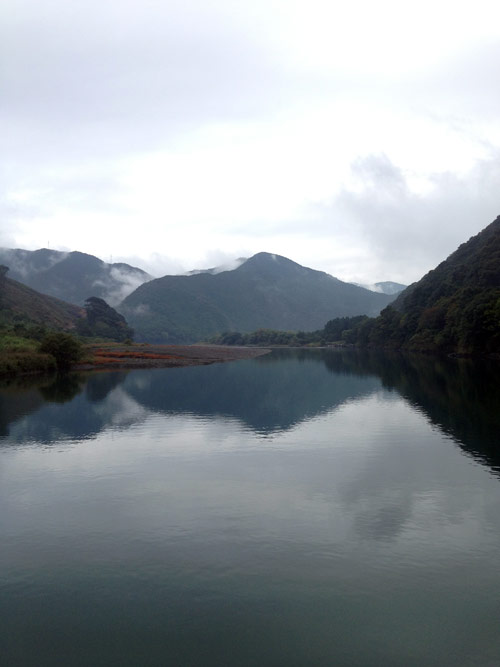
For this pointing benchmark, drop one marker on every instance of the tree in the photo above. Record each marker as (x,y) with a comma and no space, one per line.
(103,321)
(65,349)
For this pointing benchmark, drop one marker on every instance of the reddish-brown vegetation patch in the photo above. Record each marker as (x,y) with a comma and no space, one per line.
(107,356)
(151,356)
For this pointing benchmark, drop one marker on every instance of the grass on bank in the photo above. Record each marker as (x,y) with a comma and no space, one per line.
(21,355)
(37,352)
(27,349)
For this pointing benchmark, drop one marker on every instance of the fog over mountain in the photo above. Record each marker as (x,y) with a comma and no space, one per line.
(385,287)
(72,276)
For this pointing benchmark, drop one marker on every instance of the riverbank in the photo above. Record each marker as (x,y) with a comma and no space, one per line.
(112,356)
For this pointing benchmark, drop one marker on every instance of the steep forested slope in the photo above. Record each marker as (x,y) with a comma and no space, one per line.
(455,307)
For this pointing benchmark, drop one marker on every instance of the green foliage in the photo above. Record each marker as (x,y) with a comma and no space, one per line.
(19,350)
(339,330)
(102,321)
(64,348)
(12,343)
(25,361)
(454,308)
(334,329)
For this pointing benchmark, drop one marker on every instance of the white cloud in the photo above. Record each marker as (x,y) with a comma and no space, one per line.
(184,135)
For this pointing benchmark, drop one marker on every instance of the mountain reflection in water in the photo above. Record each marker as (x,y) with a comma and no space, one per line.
(303,508)
(268,395)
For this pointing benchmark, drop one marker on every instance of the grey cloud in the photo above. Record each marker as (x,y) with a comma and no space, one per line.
(141,310)
(112,78)
(90,80)
(96,191)
(156,264)
(93,78)
(127,284)
(412,233)
(463,88)
(16,264)
(77,190)
(407,234)
(7,235)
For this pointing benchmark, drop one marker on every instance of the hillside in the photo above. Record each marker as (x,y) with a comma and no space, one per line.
(22,307)
(72,276)
(265,291)
(454,308)
(19,303)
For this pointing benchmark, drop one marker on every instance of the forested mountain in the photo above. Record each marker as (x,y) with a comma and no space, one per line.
(21,304)
(454,308)
(72,276)
(22,308)
(265,291)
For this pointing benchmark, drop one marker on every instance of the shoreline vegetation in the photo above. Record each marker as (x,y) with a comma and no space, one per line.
(22,356)
(61,352)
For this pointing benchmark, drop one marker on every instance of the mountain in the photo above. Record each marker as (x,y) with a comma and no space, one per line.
(453,308)
(19,303)
(264,291)
(21,307)
(72,276)
(385,287)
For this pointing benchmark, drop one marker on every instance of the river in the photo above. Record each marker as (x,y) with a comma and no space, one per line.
(302,508)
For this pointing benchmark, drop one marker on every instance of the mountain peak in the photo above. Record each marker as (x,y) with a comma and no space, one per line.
(266,291)
(269,265)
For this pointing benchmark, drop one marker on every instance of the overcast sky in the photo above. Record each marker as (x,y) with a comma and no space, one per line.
(361,138)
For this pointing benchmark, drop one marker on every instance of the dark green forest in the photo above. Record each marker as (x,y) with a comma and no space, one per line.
(338,330)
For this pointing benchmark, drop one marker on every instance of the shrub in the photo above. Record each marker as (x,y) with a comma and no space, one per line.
(21,362)
(65,349)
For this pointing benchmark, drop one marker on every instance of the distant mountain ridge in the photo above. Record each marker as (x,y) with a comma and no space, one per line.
(264,291)
(72,276)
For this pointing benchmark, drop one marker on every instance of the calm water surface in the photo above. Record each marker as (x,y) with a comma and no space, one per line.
(302,508)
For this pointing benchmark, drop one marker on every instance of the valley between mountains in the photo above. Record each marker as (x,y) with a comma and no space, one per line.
(264,300)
